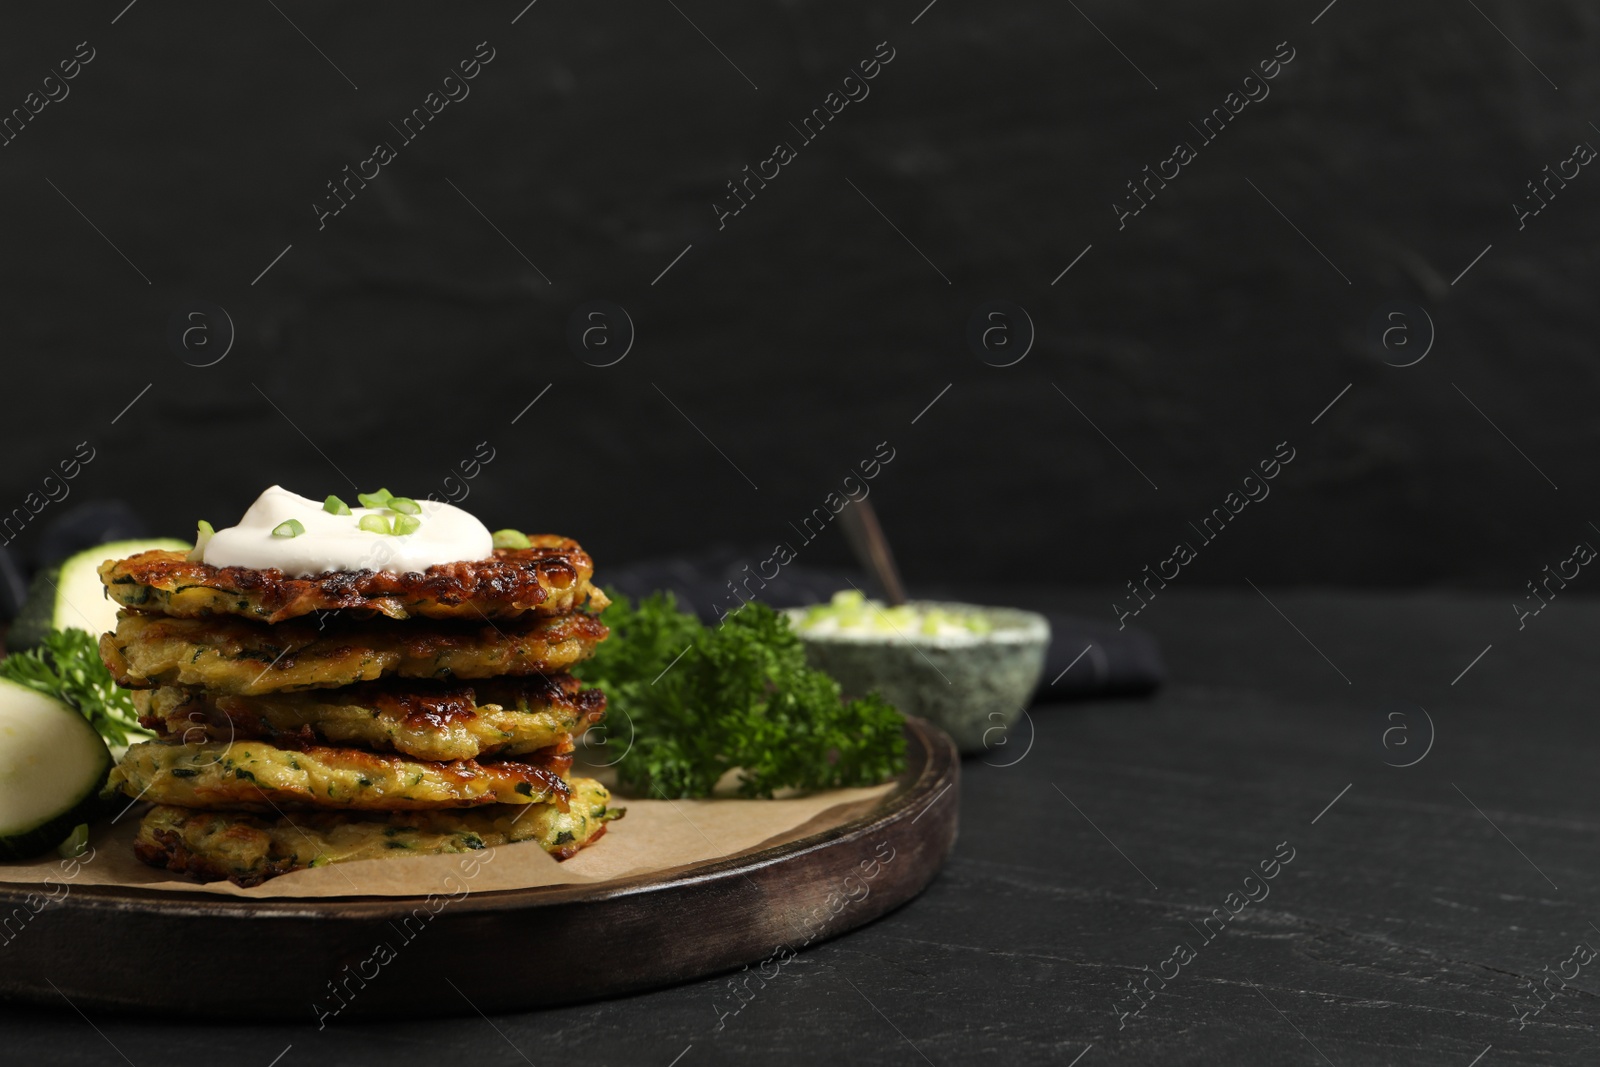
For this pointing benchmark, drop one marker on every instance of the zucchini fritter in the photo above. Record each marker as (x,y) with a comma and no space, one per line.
(550,578)
(259,776)
(426,720)
(228,655)
(248,849)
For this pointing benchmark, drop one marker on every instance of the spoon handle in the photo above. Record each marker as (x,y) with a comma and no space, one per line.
(871,549)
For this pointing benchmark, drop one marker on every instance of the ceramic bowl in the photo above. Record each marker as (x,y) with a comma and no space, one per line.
(974,686)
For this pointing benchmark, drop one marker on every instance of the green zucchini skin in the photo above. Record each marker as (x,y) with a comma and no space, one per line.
(47,750)
(42,839)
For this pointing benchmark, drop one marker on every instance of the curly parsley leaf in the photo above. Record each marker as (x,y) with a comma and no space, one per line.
(67,666)
(704,701)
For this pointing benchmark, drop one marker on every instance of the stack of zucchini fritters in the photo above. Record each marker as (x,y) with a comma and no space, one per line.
(356,714)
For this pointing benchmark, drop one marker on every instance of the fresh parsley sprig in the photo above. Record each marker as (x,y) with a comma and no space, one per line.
(67,666)
(704,701)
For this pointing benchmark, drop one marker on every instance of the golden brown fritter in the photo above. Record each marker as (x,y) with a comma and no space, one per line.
(249,849)
(228,655)
(426,720)
(550,578)
(259,776)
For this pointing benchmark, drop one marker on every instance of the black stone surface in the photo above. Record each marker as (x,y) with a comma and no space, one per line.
(1419,901)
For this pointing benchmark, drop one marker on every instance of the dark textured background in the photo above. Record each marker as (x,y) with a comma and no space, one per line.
(807,331)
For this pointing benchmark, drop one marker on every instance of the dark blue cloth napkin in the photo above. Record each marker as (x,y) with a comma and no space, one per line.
(93,522)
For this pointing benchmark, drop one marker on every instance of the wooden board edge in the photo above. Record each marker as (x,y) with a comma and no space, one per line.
(325,959)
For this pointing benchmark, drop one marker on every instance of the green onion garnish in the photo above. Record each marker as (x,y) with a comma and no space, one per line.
(404,505)
(404,524)
(203,533)
(373,523)
(288,528)
(511,539)
(76,843)
(334,506)
(380,499)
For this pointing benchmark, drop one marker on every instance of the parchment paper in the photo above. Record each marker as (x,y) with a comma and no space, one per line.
(655,836)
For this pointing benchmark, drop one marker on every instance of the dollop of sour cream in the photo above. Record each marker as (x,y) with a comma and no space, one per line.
(444,534)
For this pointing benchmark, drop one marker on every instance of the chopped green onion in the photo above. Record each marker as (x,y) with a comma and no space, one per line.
(404,524)
(851,612)
(405,505)
(334,506)
(374,523)
(511,539)
(380,499)
(76,842)
(202,534)
(288,528)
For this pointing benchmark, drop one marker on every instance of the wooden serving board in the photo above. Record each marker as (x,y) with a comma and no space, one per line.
(113,947)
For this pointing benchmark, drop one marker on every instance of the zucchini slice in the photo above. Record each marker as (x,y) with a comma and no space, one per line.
(71,596)
(52,766)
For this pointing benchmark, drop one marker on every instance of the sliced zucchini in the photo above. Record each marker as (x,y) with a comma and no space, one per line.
(71,595)
(52,765)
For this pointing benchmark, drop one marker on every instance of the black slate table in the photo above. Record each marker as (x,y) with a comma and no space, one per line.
(1420,908)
